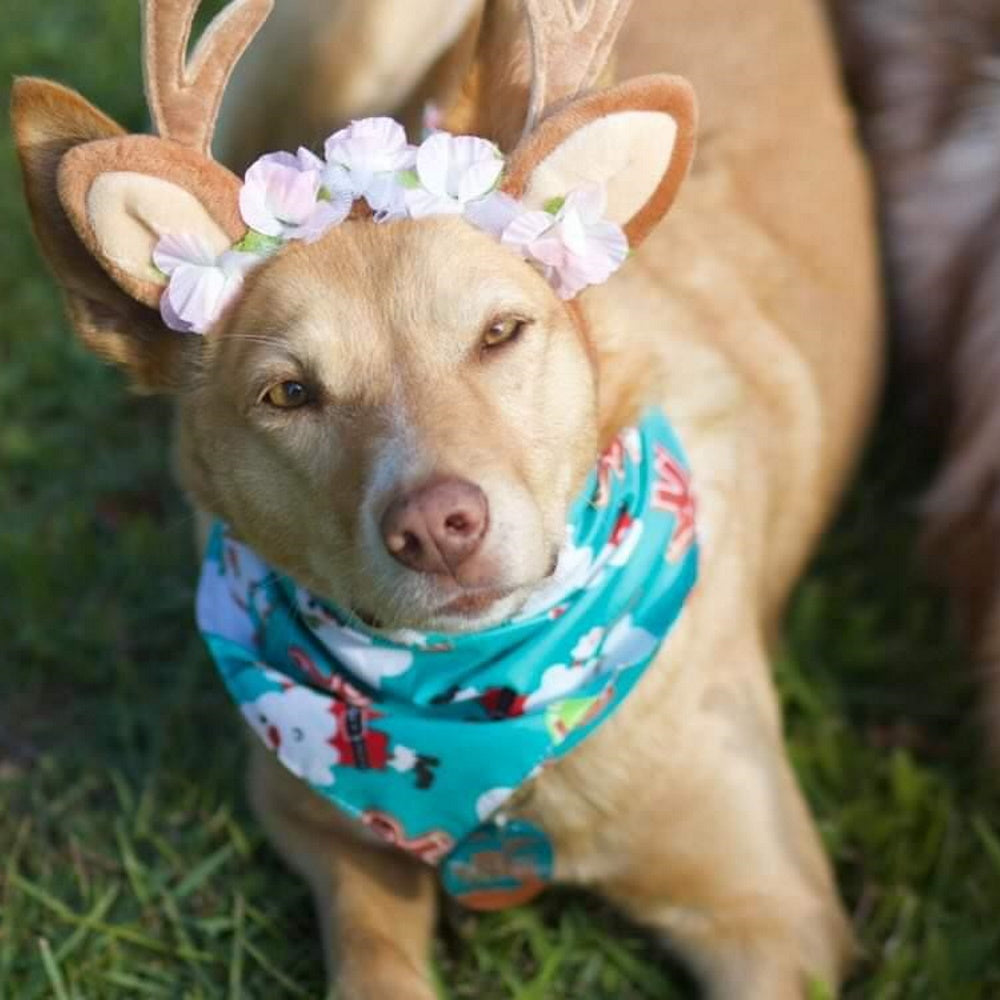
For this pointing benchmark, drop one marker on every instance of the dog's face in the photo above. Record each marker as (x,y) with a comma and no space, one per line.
(399,416)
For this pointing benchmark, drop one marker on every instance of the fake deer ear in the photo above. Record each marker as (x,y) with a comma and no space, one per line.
(636,139)
(100,200)
(122,195)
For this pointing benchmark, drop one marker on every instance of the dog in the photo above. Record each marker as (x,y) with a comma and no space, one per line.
(925,75)
(391,426)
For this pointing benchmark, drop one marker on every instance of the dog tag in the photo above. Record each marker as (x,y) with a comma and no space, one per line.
(499,866)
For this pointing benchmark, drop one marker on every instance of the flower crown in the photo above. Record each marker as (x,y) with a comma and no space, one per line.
(300,196)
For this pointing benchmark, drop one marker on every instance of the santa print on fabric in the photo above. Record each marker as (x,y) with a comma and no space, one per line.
(672,493)
(497,702)
(333,683)
(356,743)
(612,463)
(430,847)
(503,703)
(621,528)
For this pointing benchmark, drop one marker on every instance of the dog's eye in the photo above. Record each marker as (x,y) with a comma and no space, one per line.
(503,331)
(288,395)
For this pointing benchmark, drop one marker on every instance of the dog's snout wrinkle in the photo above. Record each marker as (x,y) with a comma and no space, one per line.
(437,527)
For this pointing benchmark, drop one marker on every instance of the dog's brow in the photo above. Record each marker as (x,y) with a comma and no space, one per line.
(264,340)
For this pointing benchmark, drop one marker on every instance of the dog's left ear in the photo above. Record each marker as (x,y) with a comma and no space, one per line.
(636,139)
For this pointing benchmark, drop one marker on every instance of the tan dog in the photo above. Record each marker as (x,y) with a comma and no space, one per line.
(343,59)
(424,349)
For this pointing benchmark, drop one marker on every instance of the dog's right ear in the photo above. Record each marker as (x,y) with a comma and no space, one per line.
(99,201)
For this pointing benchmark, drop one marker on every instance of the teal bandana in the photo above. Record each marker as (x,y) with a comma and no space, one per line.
(425,737)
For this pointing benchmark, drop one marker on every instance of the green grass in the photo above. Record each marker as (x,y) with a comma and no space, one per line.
(129,866)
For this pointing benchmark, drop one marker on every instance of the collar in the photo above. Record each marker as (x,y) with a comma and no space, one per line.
(402,729)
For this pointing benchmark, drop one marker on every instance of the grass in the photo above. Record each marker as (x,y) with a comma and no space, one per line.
(129,866)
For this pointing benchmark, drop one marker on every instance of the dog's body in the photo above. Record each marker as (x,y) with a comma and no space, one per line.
(342,59)
(926,79)
(752,319)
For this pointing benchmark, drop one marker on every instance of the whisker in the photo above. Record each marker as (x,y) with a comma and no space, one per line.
(257,338)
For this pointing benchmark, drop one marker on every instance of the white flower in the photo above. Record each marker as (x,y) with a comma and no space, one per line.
(201,283)
(281,197)
(364,161)
(387,197)
(453,171)
(576,247)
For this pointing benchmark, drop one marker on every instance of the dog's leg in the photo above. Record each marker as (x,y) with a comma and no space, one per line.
(684,812)
(731,870)
(376,906)
(753,922)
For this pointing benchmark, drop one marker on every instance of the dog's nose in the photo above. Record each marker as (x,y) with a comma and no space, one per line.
(437,527)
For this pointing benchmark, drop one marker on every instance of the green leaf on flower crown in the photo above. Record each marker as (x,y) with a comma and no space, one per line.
(408,179)
(255,242)
(554,205)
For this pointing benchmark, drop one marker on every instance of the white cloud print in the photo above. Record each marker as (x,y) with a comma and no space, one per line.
(354,649)
(561,681)
(588,644)
(626,645)
(573,571)
(224,598)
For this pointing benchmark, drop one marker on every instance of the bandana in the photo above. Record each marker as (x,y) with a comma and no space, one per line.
(425,737)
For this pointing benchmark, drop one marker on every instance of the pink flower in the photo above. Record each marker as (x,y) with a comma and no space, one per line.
(201,283)
(453,170)
(494,213)
(363,161)
(576,247)
(433,118)
(281,197)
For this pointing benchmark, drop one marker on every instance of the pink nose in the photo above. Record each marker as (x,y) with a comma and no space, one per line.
(437,527)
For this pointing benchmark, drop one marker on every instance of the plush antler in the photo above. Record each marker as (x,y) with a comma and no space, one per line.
(571,42)
(184,95)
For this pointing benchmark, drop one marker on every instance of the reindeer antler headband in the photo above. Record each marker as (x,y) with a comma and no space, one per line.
(184,95)
(178,231)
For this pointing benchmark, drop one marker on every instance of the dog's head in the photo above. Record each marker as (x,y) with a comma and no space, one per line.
(398,415)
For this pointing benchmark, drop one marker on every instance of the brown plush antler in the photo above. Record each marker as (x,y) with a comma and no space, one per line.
(571,42)
(184,95)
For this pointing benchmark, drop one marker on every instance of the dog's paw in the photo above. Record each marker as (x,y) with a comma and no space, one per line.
(383,975)
(382,987)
